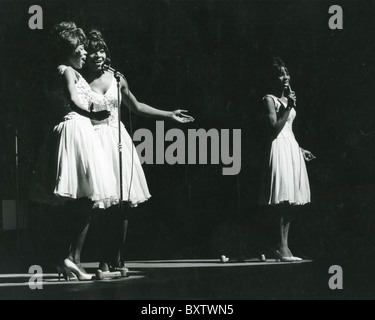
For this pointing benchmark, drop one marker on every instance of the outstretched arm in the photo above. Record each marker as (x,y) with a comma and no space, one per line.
(145,110)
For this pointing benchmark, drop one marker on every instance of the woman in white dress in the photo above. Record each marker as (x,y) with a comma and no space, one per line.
(105,97)
(285,180)
(79,170)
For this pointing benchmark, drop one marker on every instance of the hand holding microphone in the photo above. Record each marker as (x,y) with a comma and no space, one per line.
(292,98)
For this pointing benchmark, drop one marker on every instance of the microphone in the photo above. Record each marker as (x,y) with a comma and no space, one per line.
(107,67)
(290,90)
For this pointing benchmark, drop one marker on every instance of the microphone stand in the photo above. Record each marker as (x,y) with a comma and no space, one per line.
(117,76)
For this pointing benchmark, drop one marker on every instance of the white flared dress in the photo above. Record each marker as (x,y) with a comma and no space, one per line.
(285,178)
(135,189)
(72,161)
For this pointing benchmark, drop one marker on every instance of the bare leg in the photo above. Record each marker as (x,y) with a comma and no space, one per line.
(113,246)
(284,233)
(77,244)
(83,218)
(284,251)
(120,242)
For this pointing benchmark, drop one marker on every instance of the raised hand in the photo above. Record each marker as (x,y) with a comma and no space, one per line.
(292,98)
(179,116)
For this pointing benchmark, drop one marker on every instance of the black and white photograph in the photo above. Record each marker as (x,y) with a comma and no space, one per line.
(187,154)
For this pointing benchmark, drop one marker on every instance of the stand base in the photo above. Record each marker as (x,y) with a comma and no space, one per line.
(105,275)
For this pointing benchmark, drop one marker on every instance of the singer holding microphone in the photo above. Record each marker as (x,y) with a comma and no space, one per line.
(285,182)
(103,83)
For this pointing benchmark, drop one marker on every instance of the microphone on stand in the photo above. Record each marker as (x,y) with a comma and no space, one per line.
(106,67)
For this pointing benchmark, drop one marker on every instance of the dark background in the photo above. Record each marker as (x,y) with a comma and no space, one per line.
(210,57)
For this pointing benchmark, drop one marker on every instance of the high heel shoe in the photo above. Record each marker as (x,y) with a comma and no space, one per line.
(286,258)
(297,258)
(71,267)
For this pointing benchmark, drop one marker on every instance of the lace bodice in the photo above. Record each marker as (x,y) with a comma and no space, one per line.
(84,93)
(107,101)
(287,131)
(61,102)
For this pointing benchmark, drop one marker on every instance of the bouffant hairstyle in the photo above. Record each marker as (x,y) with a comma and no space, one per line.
(95,42)
(65,38)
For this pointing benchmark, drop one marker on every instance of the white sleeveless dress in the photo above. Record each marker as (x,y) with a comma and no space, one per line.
(79,166)
(133,177)
(285,178)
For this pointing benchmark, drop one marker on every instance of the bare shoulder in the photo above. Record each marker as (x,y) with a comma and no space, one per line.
(268,102)
(267,98)
(61,69)
(124,84)
(68,72)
